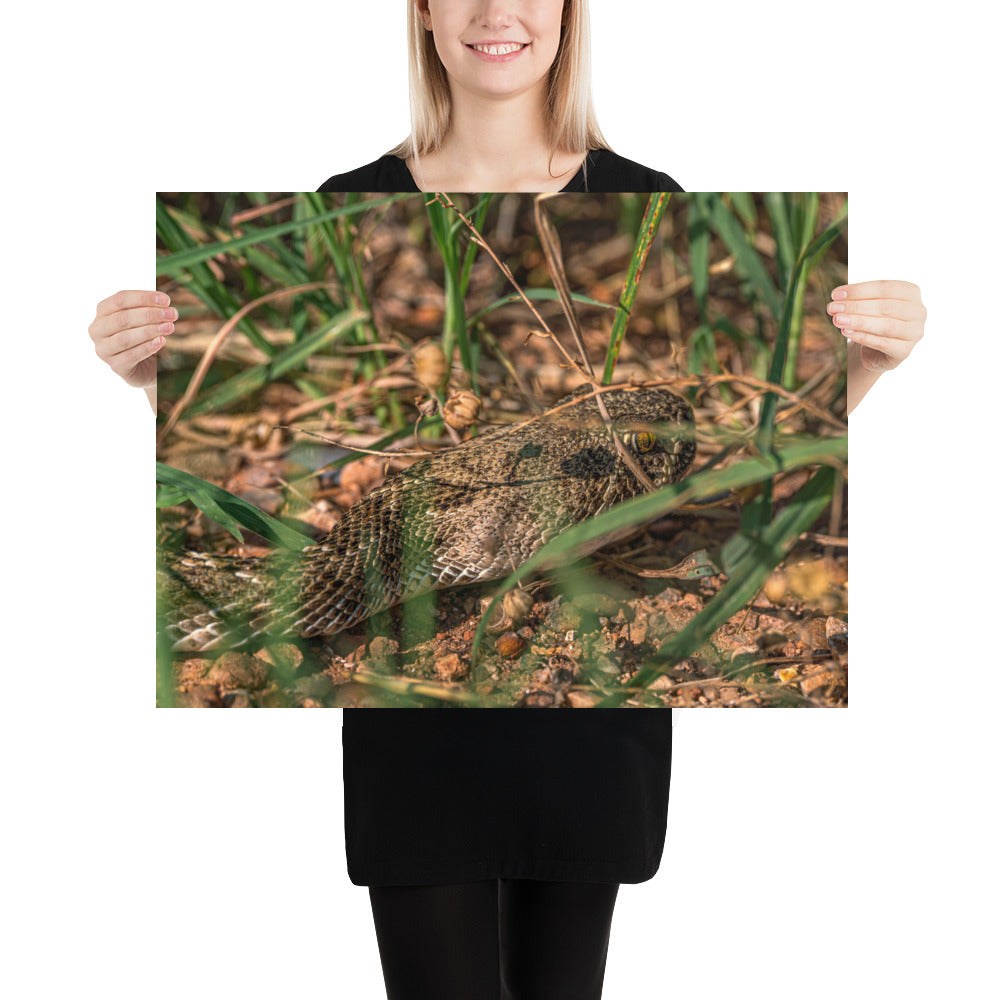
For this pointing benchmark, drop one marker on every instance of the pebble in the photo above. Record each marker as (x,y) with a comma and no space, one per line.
(382,646)
(510,645)
(449,667)
(238,670)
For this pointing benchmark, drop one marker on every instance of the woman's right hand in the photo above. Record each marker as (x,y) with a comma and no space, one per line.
(128,330)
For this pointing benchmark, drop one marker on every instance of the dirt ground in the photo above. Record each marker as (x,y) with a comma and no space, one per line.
(581,635)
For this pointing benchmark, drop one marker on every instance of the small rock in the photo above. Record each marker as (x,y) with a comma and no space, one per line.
(288,653)
(836,637)
(580,699)
(238,670)
(598,604)
(830,684)
(449,667)
(565,618)
(382,646)
(314,688)
(813,633)
(771,640)
(510,645)
(199,696)
(540,699)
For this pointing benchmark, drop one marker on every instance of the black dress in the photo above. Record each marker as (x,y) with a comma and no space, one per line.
(437,796)
(605,171)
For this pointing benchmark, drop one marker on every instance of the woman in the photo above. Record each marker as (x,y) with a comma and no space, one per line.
(494,842)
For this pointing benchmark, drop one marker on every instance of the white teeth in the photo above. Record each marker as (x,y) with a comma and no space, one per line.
(499,50)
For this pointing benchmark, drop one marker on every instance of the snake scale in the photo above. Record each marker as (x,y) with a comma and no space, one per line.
(464,515)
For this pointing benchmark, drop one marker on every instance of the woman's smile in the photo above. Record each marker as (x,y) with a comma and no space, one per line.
(497,51)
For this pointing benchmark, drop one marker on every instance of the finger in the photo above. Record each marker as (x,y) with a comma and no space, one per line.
(122,364)
(130,319)
(131,300)
(120,343)
(905,309)
(885,326)
(878,290)
(887,345)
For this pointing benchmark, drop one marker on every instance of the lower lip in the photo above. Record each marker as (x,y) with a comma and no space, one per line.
(506,57)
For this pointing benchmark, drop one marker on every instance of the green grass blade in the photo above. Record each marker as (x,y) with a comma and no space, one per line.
(174,263)
(224,507)
(777,209)
(536,295)
(647,234)
(742,202)
(748,260)
(699,246)
(200,280)
(446,231)
(285,361)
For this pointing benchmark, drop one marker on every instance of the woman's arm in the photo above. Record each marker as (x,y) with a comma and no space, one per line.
(883,321)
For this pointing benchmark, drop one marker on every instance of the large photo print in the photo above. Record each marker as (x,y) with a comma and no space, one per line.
(508,450)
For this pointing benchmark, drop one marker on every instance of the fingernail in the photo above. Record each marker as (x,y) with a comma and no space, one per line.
(170,313)
(161,299)
(165,327)
(844,320)
(839,293)
(835,307)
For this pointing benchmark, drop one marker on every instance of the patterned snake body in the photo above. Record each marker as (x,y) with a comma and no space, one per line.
(461,516)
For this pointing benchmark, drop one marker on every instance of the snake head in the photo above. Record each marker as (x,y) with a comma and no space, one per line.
(655,425)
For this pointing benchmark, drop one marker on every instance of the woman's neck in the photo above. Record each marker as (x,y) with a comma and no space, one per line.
(496,144)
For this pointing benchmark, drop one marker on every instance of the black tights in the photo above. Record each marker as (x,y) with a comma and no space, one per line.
(507,939)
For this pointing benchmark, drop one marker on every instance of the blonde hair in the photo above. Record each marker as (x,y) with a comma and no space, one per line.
(569,108)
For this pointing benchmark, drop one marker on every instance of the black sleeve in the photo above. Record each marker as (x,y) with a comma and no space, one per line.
(387,173)
(666,183)
(609,172)
(361,179)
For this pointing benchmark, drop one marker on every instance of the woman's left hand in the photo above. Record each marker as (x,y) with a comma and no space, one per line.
(884,318)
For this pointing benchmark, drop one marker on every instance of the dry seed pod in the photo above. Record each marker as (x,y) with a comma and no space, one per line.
(430,366)
(512,611)
(516,605)
(428,407)
(461,410)
(510,645)
(775,587)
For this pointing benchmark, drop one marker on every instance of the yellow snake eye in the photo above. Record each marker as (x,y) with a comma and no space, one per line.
(644,441)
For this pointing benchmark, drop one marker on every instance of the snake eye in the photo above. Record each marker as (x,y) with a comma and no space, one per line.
(643,441)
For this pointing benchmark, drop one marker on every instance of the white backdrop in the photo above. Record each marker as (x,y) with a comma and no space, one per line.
(812,854)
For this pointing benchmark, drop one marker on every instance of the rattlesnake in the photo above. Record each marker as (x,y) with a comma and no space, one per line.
(461,516)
